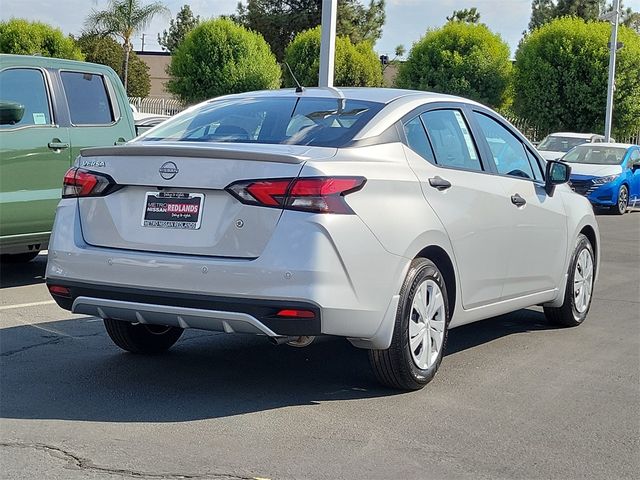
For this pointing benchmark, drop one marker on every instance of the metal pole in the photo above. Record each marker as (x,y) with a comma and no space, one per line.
(328,42)
(612,72)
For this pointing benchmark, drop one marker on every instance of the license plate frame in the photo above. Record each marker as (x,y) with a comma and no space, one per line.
(172,210)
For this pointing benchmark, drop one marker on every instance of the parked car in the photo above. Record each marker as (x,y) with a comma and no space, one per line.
(49,110)
(378,215)
(145,121)
(608,174)
(553,146)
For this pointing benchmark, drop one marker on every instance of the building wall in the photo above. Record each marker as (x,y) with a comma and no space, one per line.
(158,63)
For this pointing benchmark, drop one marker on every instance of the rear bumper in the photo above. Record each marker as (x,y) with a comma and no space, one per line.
(332,265)
(224,314)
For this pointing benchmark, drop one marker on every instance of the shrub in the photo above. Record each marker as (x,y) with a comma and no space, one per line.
(561,76)
(106,51)
(22,37)
(355,65)
(460,59)
(220,57)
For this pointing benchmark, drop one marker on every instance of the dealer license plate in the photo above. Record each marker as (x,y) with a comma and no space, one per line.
(173,210)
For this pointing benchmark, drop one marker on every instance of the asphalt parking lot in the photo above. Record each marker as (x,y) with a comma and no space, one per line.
(515,398)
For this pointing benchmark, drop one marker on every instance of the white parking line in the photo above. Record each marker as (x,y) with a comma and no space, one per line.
(25,305)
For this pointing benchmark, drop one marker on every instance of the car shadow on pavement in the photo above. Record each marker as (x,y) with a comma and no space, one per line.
(21,274)
(70,370)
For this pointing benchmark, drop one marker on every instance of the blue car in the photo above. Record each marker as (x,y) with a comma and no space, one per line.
(608,174)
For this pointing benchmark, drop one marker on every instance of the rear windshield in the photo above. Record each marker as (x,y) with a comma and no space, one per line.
(596,155)
(560,144)
(323,122)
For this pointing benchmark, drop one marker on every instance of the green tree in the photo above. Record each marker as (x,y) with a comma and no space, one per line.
(460,59)
(220,57)
(106,51)
(123,19)
(23,37)
(355,65)
(468,15)
(178,29)
(561,73)
(279,21)
(544,11)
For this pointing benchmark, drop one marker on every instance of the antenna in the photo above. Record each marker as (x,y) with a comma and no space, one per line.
(299,88)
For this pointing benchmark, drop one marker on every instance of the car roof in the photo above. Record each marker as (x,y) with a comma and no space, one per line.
(574,135)
(8,60)
(371,94)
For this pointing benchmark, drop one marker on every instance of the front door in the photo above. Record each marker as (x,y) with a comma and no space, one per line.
(34,156)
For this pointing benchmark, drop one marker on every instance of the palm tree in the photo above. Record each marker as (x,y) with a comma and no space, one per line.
(123,19)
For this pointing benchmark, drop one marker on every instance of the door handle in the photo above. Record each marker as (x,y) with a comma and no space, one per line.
(120,141)
(56,144)
(518,201)
(439,183)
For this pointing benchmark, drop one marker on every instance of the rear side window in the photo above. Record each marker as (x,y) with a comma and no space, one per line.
(88,98)
(451,139)
(509,154)
(417,139)
(26,87)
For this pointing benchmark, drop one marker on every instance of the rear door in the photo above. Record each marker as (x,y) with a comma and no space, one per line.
(634,188)
(466,196)
(97,115)
(34,154)
(536,256)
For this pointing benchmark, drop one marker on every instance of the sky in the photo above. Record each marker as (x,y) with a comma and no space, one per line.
(407,20)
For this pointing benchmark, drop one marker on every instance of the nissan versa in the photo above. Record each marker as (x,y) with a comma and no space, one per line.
(383,216)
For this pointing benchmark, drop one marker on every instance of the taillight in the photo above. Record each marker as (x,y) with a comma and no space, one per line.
(309,194)
(83,183)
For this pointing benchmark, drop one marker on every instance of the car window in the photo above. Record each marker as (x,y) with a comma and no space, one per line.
(509,154)
(88,98)
(537,169)
(327,122)
(634,158)
(451,139)
(417,139)
(26,87)
(596,154)
(554,143)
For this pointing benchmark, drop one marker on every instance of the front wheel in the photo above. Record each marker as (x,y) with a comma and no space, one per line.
(579,289)
(420,332)
(141,338)
(623,200)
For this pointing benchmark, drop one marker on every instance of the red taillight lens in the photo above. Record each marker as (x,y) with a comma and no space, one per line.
(309,194)
(83,183)
(59,290)
(295,313)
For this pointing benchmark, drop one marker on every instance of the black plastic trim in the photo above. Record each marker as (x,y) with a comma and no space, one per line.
(263,310)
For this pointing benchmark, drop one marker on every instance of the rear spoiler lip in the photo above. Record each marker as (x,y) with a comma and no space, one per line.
(191,151)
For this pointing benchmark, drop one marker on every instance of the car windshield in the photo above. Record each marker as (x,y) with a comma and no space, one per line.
(325,122)
(553,143)
(595,154)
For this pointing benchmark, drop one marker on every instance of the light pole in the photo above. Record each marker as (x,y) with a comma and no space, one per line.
(328,42)
(615,18)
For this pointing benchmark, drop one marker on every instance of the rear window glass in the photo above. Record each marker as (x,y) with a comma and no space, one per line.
(88,98)
(328,122)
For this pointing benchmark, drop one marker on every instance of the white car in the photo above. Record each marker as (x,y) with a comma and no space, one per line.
(382,216)
(555,145)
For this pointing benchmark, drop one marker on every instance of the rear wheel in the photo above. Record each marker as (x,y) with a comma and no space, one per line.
(141,338)
(579,290)
(420,332)
(19,257)
(623,200)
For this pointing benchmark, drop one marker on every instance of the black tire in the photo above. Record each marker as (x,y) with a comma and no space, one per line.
(568,314)
(395,367)
(140,338)
(623,201)
(19,257)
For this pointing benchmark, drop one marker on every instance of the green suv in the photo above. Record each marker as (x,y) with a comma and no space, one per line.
(49,110)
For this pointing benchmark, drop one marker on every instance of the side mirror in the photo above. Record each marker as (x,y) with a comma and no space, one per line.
(10,113)
(556,173)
